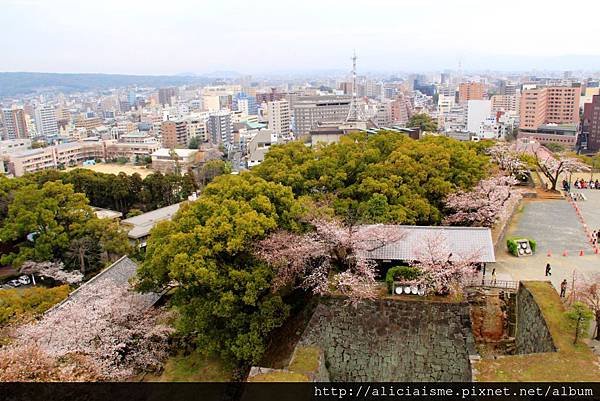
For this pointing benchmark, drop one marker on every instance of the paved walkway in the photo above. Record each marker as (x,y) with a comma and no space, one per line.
(553,224)
(590,209)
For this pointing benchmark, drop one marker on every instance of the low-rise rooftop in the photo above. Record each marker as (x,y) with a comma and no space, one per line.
(460,241)
(142,224)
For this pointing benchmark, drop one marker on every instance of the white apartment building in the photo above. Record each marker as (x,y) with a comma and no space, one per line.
(45,120)
(279,117)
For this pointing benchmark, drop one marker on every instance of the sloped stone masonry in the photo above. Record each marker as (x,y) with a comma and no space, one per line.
(393,340)
(532,334)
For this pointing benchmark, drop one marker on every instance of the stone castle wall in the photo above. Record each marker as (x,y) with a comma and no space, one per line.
(532,334)
(393,340)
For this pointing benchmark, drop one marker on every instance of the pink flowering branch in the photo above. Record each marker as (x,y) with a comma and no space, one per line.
(491,200)
(331,259)
(441,269)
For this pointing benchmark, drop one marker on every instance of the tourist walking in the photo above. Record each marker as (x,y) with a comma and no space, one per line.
(494,276)
(548,270)
(563,288)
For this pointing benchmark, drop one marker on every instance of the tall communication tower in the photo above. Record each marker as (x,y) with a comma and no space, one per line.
(354,113)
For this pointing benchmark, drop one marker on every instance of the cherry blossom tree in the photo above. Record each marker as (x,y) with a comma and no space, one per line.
(507,159)
(441,269)
(28,362)
(54,270)
(112,329)
(491,200)
(588,292)
(553,167)
(330,259)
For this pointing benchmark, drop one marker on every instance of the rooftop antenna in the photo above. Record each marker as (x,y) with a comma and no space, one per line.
(353,113)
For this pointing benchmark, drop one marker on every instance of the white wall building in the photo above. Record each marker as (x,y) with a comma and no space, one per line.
(477,112)
(279,117)
(45,120)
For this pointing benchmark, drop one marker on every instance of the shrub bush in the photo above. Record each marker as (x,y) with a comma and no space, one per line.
(533,245)
(512,246)
(400,272)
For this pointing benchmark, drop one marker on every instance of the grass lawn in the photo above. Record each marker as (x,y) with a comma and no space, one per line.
(195,367)
(570,363)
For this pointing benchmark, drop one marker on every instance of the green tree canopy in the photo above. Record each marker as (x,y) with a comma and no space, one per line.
(386,177)
(422,121)
(222,291)
(50,221)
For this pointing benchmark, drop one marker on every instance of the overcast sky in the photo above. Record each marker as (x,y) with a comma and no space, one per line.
(262,36)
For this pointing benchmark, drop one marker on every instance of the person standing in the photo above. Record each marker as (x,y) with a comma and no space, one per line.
(563,288)
(548,270)
(494,276)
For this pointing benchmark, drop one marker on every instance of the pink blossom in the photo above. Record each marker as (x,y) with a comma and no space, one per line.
(491,200)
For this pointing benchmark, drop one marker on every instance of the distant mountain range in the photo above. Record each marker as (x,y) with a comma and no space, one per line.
(23,83)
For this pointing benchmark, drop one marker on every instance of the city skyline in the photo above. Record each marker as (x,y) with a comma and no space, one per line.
(270,37)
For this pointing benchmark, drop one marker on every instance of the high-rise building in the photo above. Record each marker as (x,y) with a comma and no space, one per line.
(533,108)
(174,133)
(131,98)
(549,105)
(470,91)
(45,121)
(506,88)
(280,120)
(245,103)
(401,110)
(15,124)
(166,95)
(383,114)
(311,110)
(592,116)
(220,127)
(563,104)
(505,103)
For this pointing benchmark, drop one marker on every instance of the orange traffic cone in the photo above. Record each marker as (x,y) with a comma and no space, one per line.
(566,253)
(581,253)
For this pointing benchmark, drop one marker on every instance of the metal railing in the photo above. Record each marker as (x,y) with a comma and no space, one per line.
(491,283)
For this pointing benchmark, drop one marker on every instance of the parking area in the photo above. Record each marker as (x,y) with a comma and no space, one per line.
(590,208)
(554,225)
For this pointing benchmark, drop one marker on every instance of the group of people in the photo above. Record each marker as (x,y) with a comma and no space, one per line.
(563,284)
(581,184)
